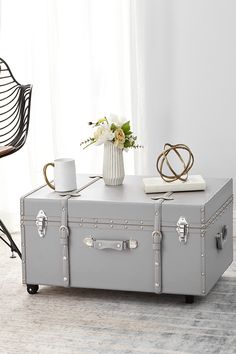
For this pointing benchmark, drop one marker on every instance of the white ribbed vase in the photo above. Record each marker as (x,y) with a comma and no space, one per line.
(113,165)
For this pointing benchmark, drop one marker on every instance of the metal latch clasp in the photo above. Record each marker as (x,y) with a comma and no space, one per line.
(182,229)
(41,223)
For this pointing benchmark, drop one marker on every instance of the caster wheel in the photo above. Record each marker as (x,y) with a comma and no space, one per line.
(32,289)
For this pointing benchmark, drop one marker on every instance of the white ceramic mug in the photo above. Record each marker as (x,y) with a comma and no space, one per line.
(64,175)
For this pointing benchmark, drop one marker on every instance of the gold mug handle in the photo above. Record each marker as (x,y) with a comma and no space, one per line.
(45,174)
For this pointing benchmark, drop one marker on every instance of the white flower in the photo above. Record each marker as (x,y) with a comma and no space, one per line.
(117,120)
(103,134)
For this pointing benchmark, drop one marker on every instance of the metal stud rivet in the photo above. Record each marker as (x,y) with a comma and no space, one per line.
(111,226)
(63,209)
(202,255)
(141,222)
(203,291)
(141,227)
(65,258)
(156,213)
(203,273)
(126,221)
(156,263)
(23,261)
(65,278)
(99,245)
(80,224)
(118,245)
(111,221)
(156,284)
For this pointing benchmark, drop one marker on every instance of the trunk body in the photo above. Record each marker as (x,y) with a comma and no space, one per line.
(106,238)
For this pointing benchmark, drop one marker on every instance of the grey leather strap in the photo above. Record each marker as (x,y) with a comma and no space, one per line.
(157,241)
(65,233)
(64,240)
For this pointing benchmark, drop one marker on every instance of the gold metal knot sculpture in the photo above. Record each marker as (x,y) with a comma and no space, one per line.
(163,158)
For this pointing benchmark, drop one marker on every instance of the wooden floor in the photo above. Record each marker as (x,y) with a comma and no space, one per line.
(73,321)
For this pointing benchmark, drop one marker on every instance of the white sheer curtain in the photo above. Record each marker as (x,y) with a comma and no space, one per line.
(168,66)
(77,56)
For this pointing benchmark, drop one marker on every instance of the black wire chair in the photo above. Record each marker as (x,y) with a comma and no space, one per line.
(15,102)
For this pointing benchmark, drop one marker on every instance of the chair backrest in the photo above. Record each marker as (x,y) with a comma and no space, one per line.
(15,102)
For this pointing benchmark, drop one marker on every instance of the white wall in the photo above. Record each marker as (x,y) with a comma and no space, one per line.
(204,83)
(190,82)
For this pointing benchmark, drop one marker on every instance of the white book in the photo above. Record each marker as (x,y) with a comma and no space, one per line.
(158,185)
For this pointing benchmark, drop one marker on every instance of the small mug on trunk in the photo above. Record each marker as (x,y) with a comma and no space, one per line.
(64,175)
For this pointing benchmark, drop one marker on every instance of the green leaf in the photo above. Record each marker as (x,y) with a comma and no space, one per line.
(126,144)
(113,127)
(129,133)
(126,127)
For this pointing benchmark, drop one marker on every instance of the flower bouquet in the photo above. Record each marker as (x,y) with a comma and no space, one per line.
(116,135)
(116,131)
